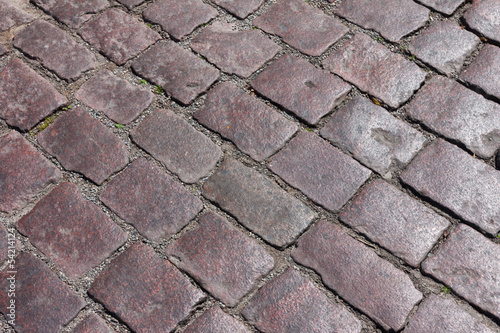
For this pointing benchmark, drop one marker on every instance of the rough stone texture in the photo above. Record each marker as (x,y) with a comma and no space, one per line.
(234,51)
(131,3)
(358,275)
(483,17)
(74,233)
(117,98)
(43,302)
(291,303)
(179,18)
(376,70)
(240,8)
(444,46)
(4,243)
(255,128)
(179,72)
(301,88)
(373,136)
(393,19)
(446,7)
(221,258)
(72,12)
(458,113)
(396,221)
(302,26)
(118,35)
(65,57)
(215,320)
(82,144)
(322,172)
(191,158)
(257,203)
(470,264)
(484,72)
(93,324)
(161,295)
(26,97)
(12,15)
(153,202)
(438,314)
(456,180)
(24,172)
(3,50)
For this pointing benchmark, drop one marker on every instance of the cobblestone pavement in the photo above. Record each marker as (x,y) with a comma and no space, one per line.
(250,166)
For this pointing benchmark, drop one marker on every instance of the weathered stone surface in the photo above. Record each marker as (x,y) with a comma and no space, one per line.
(234,51)
(131,3)
(72,12)
(153,202)
(444,46)
(446,7)
(358,275)
(48,302)
(24,172)
(93,324)
(3,50)
(301,88)
(215,320)
(161,295)
(373,136)
(255,128)
(257,203)
(82,144)
(4,243)
(393,19)
(118,35)
(291,303)
(179,18)
(240,8)
(221,258)
(26,97)
(74,233)
(458,113)
(302,26)
(484,72)
(470,264)
(456,180)
(179,72)
(322,172)
(12,15)
(376,70)
(173,141)
(396,221)
(483,17)
(117,98)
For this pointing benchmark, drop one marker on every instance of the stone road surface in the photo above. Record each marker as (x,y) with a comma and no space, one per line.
(242,166)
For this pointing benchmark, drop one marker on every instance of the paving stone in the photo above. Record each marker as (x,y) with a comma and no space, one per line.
(291,303)
(215,320)
(358,275)
(459,114)
(257,203)
(439,314)
(119,36)
(93,324)
(393,19)
(74,233)
(254,127)
(154,203)
(482,16)
(240,8)
(444,46)
(234,51)
(25,97)
(470,264)
(68,59)
(322,172)
(179,72)
(446,7)
(302,26)
(459,182)
(376,70)
(12,15)
(24,172)
(117,98)
(3,50)
(221,258)
(396,221)
(82,144)
(161,295)
(301,88)
(179,18)
(72,12)
(131,3)
(43,303)
(373,136)
(484,72)
(191,158)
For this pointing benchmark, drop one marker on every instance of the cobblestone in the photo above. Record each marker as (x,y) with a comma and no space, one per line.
(215,320)
(484,72)
(73,13)
(12,15)
(240,8)
(482,16)
(131,3)
(92,324)
(446,7)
